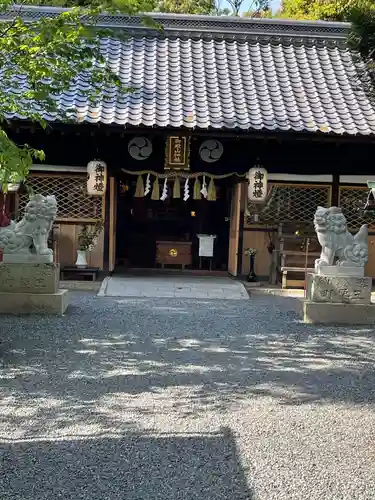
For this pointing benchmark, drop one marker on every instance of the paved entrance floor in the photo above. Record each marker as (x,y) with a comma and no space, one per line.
(165,286)
(178,399)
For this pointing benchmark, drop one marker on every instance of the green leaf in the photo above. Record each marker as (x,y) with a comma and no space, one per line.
(44,58)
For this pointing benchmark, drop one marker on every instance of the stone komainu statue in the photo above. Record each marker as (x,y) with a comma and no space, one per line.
(337,242)
(29,236)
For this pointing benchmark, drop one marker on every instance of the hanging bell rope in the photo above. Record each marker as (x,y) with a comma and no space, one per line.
(197,189)
(155,195)
(176,188)
(211,194)
(139,189)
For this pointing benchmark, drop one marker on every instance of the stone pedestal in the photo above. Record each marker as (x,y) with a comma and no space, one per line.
(29,278)
(320,313)
(338,300)
(27,257)
(325,270)
(34,303)
(339,289)
(31,288)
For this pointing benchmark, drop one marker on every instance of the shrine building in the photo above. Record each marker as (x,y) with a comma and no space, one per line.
(213,98)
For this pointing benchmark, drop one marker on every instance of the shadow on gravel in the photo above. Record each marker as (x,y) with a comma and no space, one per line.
(132,467)
(60,372)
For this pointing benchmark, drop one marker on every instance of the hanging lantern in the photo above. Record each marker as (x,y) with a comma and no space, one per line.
(96,178)
(258,180)
(370,203)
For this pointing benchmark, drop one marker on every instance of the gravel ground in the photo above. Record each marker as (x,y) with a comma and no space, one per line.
(185,400)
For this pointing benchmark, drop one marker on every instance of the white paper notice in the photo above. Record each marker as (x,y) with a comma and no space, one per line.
(206,245)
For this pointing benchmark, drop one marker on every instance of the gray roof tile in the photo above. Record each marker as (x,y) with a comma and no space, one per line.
(207,72)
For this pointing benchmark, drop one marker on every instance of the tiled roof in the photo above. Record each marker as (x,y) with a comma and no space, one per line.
(225,73)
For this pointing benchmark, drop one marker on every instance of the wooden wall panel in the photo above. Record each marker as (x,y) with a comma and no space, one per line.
(67,246)
(258,240)
(244,199)
(95,259)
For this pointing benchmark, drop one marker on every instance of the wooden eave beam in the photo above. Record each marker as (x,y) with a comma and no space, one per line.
(117,130)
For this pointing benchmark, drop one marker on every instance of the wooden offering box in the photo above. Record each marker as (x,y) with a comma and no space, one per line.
(173,252)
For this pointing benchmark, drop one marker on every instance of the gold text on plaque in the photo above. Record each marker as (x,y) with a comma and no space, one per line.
(177,153)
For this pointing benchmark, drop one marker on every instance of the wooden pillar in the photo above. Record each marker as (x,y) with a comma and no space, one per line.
(335,199)
(243,203)
(112,224)
(106,231)
(234,230)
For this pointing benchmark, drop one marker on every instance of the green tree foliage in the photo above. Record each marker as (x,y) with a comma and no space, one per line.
(326,10)
(362,40)
(249,8)
(168,6)
(262,12)
(48,55)
(213,7)
(120,6)
(313,9)
(186,6)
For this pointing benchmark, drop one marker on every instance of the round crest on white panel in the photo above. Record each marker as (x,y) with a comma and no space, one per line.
(140,148)
(211,150)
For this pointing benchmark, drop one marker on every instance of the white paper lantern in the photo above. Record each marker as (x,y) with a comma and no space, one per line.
(258,183)
(96,178)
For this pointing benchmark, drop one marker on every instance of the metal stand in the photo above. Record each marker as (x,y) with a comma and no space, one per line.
(210,259)
(252,278)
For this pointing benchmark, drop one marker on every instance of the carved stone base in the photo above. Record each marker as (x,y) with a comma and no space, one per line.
(34,303)
(29,278)
(322,270)
(27,258)
(339,289)
(333,314)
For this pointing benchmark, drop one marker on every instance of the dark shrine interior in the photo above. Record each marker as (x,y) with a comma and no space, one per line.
(141,222)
